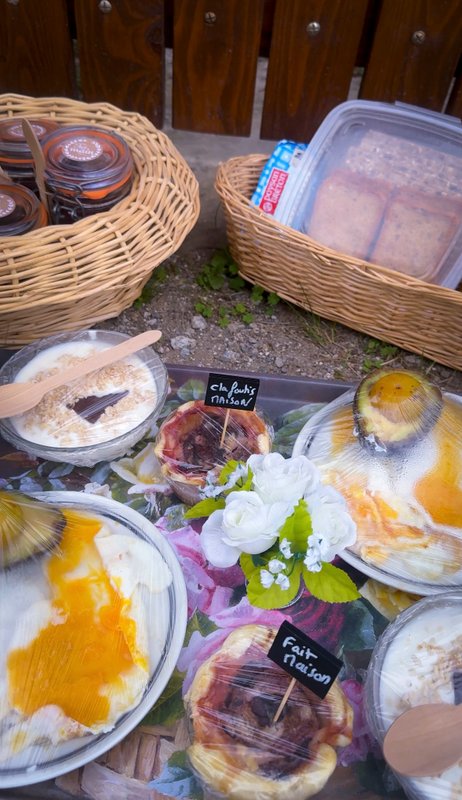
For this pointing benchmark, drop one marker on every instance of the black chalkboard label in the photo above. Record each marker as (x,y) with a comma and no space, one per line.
(304,659)
(231,391)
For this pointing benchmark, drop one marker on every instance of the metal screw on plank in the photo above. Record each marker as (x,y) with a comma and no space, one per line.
(313,28)
(210,18)
(418,37)
(105,6)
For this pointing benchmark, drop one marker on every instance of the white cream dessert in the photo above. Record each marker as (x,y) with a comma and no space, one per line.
(419,668)
(97,408)
(82,629)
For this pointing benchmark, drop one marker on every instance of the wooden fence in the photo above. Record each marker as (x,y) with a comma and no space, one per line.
(114,50)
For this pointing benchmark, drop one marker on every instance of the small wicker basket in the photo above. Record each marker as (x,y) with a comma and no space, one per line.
(388,305)
(65,277)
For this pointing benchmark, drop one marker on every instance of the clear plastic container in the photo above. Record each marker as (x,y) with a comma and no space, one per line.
(93,621)
(393,449)
(97,418)
(383,183)
(414,663)
(20,210)
(88,170)
(15,155)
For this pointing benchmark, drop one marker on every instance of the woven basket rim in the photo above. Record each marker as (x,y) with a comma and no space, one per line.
(385,273)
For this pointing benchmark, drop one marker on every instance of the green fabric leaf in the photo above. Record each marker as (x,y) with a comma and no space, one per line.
(274,596)
(297,528)
(229,467)
(205,507)
(201,623)
(331,584)
(192,390)
(169,707)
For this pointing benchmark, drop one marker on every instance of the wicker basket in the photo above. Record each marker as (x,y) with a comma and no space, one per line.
(65,277)
(388,305)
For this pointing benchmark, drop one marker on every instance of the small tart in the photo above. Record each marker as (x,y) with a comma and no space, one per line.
(189,444)
(236,749)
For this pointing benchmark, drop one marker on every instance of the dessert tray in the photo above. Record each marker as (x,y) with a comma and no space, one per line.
(150,754)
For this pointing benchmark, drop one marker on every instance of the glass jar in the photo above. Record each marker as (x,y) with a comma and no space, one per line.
(15,155)
(87,171)
(20,210)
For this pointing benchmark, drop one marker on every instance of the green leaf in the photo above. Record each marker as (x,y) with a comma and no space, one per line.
(223,321)
(359,627)
(274,596)
(297,528)
(205,507)
(229,467)
(257,293)
(239,308)
(219,259)
(191,390)
(247,318)
(236,283)
(273,299)
(169,707)
(331,584)
(201,623)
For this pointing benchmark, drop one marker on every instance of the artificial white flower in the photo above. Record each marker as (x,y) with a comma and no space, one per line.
(143,471)
(312,560)
(266,578)
(275,566)
(285,549)
(102,490)
(333,527)
(213,489)
(283,581)
(245,525)
(276,478)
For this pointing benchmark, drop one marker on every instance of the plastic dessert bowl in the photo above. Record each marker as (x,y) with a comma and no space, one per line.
(415,662)
(112,566)
(98,418)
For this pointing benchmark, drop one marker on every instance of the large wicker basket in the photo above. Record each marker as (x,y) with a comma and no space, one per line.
(65,277)
(387,305)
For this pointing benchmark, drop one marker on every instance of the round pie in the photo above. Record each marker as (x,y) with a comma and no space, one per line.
(190,443)
(236,748)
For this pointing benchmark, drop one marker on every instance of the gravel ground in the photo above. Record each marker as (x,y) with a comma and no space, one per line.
(278,340)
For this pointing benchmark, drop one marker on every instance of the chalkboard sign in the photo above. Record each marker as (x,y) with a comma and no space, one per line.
(231,391)
(304,659)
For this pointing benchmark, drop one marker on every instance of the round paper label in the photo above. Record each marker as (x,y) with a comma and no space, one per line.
(82,148)
(16,130)
(7,205)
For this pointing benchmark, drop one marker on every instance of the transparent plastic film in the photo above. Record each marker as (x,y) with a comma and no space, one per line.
(88,615)
(196,440)
(97,417)
(393,449)
(237,749)
(418,661)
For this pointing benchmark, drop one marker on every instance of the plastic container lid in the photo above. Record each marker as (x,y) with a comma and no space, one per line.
(383,183)
(86,162)
(20,210)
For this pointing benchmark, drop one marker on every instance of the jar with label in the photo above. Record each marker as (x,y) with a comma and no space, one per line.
(20,210)
(15,155)
(87,171)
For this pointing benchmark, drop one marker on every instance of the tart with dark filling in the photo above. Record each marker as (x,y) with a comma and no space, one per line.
(236,749)
(189,444)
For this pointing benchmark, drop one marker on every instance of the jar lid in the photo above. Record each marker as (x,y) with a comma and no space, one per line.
(86,161)
(14,149)
(20,210)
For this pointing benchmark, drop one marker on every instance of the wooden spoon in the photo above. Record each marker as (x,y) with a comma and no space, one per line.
(15,398)
(425,740)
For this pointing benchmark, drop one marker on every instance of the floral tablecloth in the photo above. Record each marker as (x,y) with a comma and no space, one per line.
(151,762)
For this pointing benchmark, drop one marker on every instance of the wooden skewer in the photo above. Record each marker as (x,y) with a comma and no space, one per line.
(284,700)
(225,425)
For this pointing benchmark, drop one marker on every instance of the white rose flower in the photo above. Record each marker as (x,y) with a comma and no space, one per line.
(333,528)
(245,525)
(276,478)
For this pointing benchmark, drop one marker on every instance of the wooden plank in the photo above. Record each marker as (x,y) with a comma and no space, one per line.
(214,64)
(402,69)
(36,55)
(309,74)
(122,54)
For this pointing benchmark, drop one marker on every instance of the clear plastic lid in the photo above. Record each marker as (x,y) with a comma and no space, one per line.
(393,449)
(383,183)
(237,751)
(418,660)
(92,619)
(192,443)
(96,418)
(87,162)
(20,210)
(15,155)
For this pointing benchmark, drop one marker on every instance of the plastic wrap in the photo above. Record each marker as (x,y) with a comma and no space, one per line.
(237,751)
(97,418)
(92,619)
(417,661)
(190,444)
(393,449)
